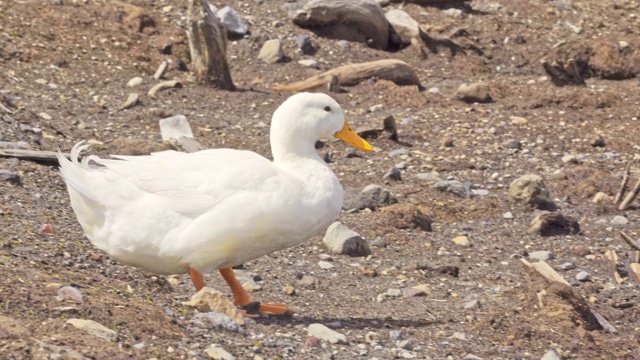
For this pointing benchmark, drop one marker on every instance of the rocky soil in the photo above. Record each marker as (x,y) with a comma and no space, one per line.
(445,277)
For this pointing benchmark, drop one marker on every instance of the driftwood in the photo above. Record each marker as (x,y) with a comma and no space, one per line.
(629,241)
(353,20)
(623,184)
(163,85)
(630,197)
(389,69)
(611,264)
(32,155)
(207,44)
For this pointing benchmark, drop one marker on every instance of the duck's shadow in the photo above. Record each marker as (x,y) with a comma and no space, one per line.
(345,323)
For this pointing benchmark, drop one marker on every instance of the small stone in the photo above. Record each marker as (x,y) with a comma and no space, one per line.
(368,271)
(310,63)
(581,250)
(324,333)
(517,120)
(582,276)
(342,240)
(305,45)
(567,266)
(393,293)
(454,187)
(619,220)
(395,335)
(541,255)
(10,176)
(462,241)
(45,116)
(530,189)
(135,82)
(132,100)
(553,224)
(344,44)
(418,290)
(446,141)
(235,24)
(216,321)
(271,51)
(454,13)
(623,44)
(308,282)
(399,152)
(474,92)
(598,142)
(393,173)
(175,127)
(289,290)
(512,144)
(550,355)
(69,293)
(94,328)
(217,353)
(139,346)
(472,304)
(325,265)
(430,177)
(434,90)
(379,242)
(600,197)
(379,195)
(211,300)
(507,215)
(571,159)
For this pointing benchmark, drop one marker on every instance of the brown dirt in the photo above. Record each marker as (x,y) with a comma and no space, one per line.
(89,49)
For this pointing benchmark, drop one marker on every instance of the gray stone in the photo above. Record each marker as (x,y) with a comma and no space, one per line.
(379,242)
(541,255)
(550,355)
(399,152)
(512,144)
(342,240)
(310,63)
(355,200)
(233,22)
(454,187)
(404,26)
(619,220)
(325,265)
(304,44)
(379,195)
(430,177)
(175,127)
(324,333)
(582,276)
(474,92)
(395,334)
(215,320)
(507,215)
(393,293)
(472,304)
(217,353)
(135,82)
(18,145)
(70,293)
(344,44)
(454,13)
(567,266)
(94,328)
(271,51)
(10,176)
(393,173)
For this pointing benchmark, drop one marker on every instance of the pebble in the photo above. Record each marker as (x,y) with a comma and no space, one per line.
(461,241)
(10,176)
(600,197)
(175,127)
(324,333)
(135,82)
(217,353)
(541,255)
(395,334)
(472,304)
(379,242)
(399,152)
(325,265)
(45,116)
(132,100)
(582,276)
(507,215)
(271,52)
(430,177)
(434,90)
(344,44)
(304,44)
(69,293)
(598,142)
(474,92)
(139,346)
(340,239)
(393,293)
(550,355)
(393,173)
(567,266)
(310,63)
(233,22)
(454,187)
(94,328)
(379,195)
(623,44)
(418,290)
(289,290)
(216,320)
(619,220)
(308,282)
(210,300)
(512,144)
(518,120)
(454,13)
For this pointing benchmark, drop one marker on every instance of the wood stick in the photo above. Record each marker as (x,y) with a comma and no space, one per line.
(629,240)
(32,155)
(388,69)
(630,197)
(546,271)
(611,259)
(623,185)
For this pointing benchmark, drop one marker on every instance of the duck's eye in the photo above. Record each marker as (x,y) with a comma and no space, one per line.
(327,108)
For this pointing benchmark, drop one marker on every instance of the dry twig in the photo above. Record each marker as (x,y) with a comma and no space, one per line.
(630,197)
(629,240)
(623,185)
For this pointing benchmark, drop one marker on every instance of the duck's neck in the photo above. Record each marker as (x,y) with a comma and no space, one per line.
(287,148)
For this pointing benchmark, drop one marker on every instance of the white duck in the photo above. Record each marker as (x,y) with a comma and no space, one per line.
(173,212)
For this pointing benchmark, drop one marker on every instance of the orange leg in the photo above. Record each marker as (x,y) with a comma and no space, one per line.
(197,279)
(241,298)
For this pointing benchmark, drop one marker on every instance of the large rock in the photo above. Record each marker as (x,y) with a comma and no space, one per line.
(271,52)
(553,224)
(532,190)
(474,92)
(342,240)
(353,20)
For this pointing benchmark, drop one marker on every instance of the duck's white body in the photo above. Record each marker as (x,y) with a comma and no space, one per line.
(171,211)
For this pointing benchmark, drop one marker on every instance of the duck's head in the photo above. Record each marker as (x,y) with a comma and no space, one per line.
(305,118)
